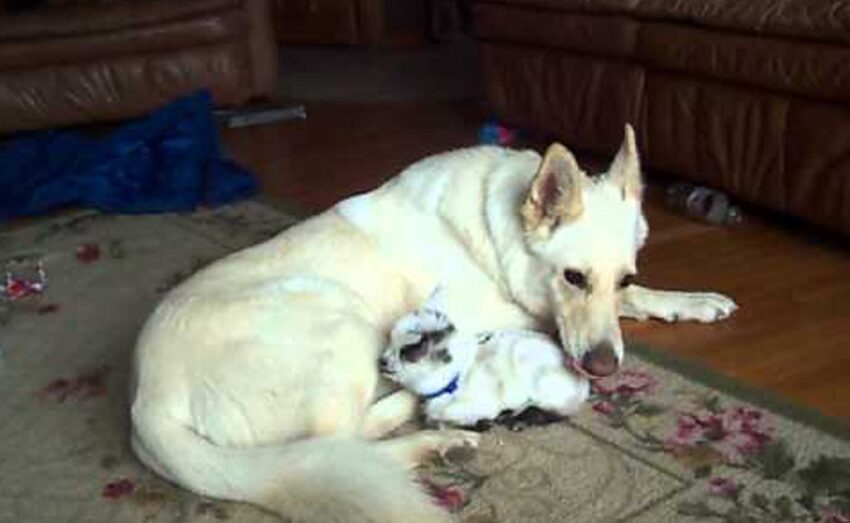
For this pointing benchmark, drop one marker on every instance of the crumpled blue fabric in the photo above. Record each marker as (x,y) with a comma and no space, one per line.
(172,160)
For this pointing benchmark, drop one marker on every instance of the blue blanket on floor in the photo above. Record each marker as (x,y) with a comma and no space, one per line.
(171,160)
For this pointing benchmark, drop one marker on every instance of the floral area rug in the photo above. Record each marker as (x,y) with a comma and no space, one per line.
(654,444)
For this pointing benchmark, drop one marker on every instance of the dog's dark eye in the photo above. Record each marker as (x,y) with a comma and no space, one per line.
(575,278)
(627,280)
(414,352)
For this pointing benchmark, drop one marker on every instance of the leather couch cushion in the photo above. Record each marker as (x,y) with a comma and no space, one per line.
(86,19)
(811,69)
(723,135)
(824,20)
(550,90)
(72,47)
(803,67)
(818,138)
(112,89)
(590,33)
(102,61)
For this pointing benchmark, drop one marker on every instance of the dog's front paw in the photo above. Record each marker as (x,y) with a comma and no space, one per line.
(641,303)
(452,440)
(461,447)
(704,307)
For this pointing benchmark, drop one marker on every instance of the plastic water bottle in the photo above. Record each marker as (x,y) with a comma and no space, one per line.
(703,203)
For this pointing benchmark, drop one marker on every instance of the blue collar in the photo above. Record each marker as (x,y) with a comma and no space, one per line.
(448,389)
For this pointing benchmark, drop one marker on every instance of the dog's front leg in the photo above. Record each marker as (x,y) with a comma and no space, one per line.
(388,413)
(642,303)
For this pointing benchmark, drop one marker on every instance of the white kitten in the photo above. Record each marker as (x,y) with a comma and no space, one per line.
(464,378)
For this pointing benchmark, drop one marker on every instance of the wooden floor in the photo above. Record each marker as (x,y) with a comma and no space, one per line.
(790,335)
(346,148)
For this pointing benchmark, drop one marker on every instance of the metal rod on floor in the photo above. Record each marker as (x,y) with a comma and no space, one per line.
(233,118)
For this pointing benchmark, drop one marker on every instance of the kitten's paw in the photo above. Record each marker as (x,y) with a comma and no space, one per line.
(505,417)
(535,416)
(482,425)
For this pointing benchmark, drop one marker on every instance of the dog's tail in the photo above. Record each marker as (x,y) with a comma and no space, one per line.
(319,480)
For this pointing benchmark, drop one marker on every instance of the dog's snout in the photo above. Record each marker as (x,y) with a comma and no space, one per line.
(601,360)
(383,363)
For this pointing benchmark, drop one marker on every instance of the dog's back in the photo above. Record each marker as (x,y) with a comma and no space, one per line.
(253,379)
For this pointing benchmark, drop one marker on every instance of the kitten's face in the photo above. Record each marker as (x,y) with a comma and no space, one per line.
(418,356)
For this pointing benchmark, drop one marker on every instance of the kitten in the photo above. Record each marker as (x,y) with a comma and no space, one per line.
(466,378)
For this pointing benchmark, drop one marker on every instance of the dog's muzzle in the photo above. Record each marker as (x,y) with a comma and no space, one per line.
(599,362)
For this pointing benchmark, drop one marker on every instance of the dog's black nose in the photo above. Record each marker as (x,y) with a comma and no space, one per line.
(382,363)
(601,360)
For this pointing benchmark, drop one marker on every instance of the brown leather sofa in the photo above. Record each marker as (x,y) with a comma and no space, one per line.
(751,96)
(75,62)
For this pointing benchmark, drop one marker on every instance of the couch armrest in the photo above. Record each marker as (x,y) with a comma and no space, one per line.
(70,65)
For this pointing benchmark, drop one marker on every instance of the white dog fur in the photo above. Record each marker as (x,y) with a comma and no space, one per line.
(256,379)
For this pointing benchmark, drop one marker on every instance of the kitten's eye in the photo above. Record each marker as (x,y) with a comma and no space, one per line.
(627,280)
(575,278)
(439,336)
(443,355)
(413,352)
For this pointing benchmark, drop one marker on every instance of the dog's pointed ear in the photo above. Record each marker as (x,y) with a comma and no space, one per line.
(625,169)
(555,193)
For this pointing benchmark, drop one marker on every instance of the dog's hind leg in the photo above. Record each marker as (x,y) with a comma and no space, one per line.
(642,303)
(388,414)
(414,449)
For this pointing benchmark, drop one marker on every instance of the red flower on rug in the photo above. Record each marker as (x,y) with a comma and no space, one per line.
(833,515)
(604,407)
(450,498)
(88,252)
(735,433)
(48,308)
(617,395)
(83,386)
(723,487)
(118,489)
(627,383)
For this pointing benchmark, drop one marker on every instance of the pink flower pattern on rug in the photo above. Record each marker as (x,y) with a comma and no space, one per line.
(630,383)
(735,433)
(723,487)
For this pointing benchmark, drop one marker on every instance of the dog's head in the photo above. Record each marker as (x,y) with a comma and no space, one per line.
(584,233)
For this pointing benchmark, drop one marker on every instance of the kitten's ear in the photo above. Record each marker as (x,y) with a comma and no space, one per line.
(437,300)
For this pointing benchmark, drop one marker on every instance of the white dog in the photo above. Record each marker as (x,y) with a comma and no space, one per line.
(464,378)
(256,379)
